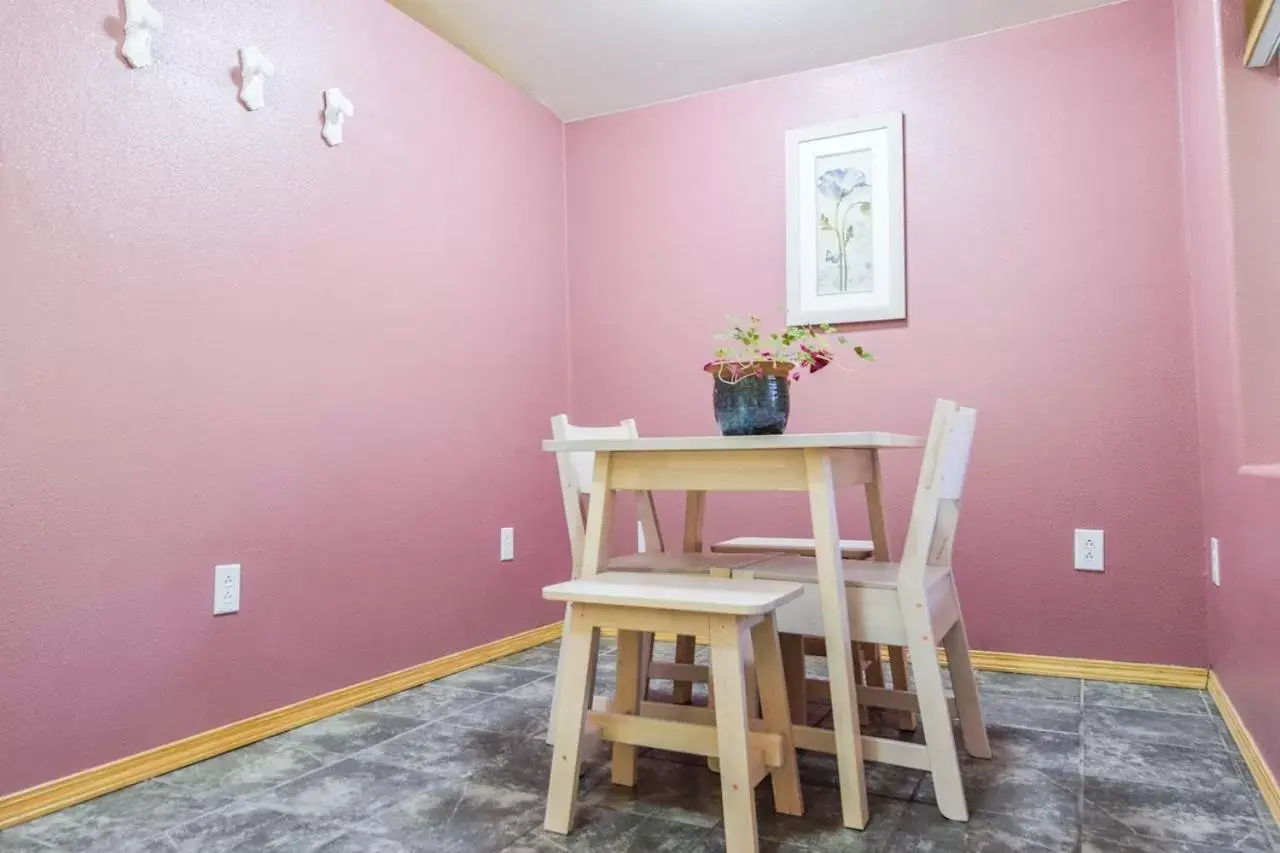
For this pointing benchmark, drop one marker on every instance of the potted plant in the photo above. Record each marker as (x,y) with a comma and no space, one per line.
(753,372)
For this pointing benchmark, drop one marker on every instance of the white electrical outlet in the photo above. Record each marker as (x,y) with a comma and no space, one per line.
(640,537)
(507,546)
(1089,555)
(226,589)
(1215,566)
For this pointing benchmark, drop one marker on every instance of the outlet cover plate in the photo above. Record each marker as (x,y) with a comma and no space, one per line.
(507,545)
(226,589)
(1215,563)
(1089,550)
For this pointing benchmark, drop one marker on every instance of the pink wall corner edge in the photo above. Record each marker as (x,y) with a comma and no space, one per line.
(1231,118)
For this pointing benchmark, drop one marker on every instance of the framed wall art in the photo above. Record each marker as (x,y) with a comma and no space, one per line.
(846,227)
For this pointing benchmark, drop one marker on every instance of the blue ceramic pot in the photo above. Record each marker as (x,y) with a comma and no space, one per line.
(756,401)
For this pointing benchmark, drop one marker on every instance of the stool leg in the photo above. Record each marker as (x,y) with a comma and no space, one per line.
(859,678)
(682,691)
(626,700)
(574,692)
(772,680)
(729,674)
(792,646)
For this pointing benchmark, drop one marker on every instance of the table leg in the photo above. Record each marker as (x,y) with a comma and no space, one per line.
(880,542)
(599,514)
(695,506)
(775,707)
(835,622)
(793,666)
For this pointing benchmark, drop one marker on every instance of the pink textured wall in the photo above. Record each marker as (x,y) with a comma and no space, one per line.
(1253,131)
(222,341)
(1045,287)
(1222,104)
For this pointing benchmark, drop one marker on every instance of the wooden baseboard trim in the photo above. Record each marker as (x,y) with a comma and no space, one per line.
(1161,675)
(32,803)
(1262,773)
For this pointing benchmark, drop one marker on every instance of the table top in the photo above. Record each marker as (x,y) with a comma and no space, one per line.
(833,440)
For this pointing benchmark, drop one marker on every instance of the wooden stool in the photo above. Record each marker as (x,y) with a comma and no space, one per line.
(721,609)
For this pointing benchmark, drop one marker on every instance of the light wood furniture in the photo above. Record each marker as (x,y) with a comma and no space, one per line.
(575,470)
(850,549)
(913,604)
(866,660)
(815,464)
(734,615)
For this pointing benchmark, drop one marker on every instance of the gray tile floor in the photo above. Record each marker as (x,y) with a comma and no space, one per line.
(460,765)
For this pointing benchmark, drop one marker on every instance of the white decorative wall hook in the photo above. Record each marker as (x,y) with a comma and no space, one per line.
(255,68)
(336,111)
(141,21)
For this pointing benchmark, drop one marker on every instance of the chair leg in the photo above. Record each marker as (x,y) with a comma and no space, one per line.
(646,660)
(875,672)
(729,674)
(682,691)
(560,665)
(626,700)
(965,686)
(772,680)
(898,669)
(859,679)
(935,716)
(574,690)
(792,647)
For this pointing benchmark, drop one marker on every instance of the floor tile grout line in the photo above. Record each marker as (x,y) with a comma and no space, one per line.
(1080,802)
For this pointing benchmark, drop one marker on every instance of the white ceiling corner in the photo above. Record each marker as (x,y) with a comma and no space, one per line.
(588,57)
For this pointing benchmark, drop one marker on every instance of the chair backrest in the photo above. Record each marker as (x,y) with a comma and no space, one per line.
(576,473)
(936,511)
(581,463)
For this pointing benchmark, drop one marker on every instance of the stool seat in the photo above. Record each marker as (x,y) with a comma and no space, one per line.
(689,564)
(683,594)
(850,549)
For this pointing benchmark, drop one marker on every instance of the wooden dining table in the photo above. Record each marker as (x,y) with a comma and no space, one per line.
(818,464)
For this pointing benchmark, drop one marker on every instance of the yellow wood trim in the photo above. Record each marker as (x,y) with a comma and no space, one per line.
(1258,21)
(1262,773)
(1162,675)
(1159,674)
(32,803)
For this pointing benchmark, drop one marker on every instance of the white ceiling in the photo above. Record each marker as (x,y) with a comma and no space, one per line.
(586,57)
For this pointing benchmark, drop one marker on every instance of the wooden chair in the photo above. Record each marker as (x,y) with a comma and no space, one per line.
(913,604)
(727,611)
(575,470)
(867,667)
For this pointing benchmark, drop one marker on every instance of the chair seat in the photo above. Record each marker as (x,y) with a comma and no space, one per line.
(677,593)
(700,564)
(850,549)
(857,573)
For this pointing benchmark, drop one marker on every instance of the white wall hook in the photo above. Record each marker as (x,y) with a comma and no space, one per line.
(141,21)
(336,111)
(255,68)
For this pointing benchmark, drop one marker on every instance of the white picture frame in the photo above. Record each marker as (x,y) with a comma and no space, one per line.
(846,222)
